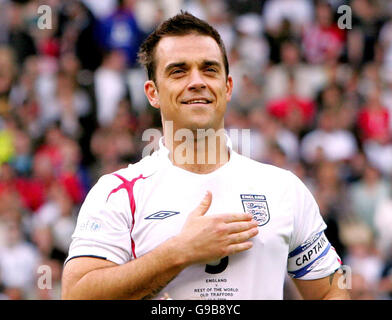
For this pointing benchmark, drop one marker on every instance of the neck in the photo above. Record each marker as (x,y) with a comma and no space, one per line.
(198,151)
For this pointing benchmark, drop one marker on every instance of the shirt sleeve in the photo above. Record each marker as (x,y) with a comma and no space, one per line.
(311,255)
(103,225)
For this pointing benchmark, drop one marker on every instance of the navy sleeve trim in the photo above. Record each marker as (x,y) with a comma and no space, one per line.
(85,255)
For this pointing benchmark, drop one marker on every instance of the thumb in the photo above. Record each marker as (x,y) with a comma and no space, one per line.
(204,205)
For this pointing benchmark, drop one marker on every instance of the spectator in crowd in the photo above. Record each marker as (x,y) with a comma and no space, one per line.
(57,214)
(51,258)
(332,97)
(373,119)
(327,141)
(362,44)
(295,112)
(323,41)
(251,45)
(18,261)
(298,12)
(366,194)
(79,27)
(66,105)
(25,97)
(110,86)
(19,38)
(114,146)
(331,196)
(29,190)
(255,145)
(120,31)
(364,261)
(275,135)
(248,95)
(308,78)
(379,154)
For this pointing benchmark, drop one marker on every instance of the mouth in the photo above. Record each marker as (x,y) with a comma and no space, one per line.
(197,101)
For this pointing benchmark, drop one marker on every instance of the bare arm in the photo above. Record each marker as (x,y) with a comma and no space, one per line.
(322,289)
(92,278)
(202,239)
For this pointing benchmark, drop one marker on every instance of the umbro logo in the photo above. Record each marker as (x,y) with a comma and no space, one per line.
(160,215)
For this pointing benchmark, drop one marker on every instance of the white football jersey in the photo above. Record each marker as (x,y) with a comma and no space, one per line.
(130,212)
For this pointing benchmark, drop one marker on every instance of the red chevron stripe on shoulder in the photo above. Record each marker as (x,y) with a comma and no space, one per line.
(128,185)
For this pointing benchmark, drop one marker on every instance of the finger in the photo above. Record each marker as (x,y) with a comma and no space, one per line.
(239,247)
(236,217)
(204,205)
(243,236)
(235,227)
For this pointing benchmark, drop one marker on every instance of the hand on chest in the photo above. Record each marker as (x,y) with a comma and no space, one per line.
(162,213)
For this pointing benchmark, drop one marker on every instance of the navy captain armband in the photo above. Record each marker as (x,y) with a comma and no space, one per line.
(308,255)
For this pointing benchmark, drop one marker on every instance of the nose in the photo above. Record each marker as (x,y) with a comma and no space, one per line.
(196,82)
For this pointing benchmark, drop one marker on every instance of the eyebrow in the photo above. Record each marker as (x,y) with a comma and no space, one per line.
(174,65)
(213,63)
(181,64)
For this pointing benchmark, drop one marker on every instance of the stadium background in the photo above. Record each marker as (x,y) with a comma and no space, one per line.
(317,99)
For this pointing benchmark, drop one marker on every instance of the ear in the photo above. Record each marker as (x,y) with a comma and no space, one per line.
(151,93)
(229,87)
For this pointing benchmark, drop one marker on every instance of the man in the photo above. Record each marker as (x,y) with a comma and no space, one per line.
(190,221)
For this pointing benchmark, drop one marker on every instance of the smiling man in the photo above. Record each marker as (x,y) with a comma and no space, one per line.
(191,86)
(229,228)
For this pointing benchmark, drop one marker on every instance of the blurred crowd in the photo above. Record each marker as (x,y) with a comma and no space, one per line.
(315,94)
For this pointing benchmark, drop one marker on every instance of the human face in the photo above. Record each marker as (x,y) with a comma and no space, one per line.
(191,88)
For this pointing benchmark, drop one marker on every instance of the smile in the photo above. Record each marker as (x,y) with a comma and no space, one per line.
(197,101)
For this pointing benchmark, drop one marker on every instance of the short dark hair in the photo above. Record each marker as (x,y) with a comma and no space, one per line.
(181,24)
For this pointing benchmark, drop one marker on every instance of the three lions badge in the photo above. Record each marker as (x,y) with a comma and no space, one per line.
(257,206)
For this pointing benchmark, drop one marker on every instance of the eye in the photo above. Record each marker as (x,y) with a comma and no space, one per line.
(177,71)
(210,69)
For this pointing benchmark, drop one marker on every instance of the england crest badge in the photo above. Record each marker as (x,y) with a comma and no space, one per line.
(257,206)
